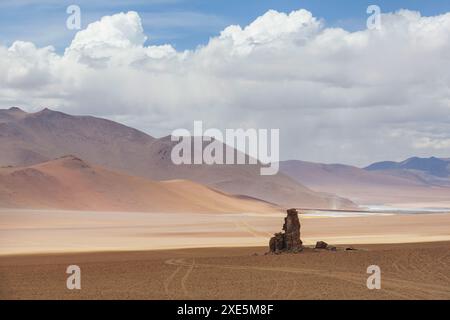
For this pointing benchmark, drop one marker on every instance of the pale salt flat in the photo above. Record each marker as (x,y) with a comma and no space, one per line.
(45,231)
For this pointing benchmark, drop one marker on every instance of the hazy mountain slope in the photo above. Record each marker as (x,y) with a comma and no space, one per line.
(363,186)
(243,180)
(431,166)
(432,171)
(71,183)
(30,138)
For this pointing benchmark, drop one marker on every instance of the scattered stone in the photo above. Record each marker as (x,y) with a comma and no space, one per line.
(289,240)
(350,249)
(321,245)
(331,248)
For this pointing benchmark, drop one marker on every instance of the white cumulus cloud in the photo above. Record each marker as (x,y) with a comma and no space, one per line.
(337,96)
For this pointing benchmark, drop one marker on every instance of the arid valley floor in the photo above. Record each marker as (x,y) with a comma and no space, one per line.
(151,256)
(409,271)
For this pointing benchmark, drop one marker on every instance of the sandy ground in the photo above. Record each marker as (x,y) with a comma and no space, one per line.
(32,231)
(408,271)
(133,260)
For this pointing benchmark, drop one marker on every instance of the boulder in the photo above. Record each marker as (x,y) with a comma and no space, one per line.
(321,245)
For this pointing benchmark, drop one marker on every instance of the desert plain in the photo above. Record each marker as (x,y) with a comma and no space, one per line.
(91,192)
(125,255)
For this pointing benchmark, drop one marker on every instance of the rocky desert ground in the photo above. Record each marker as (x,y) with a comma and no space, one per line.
(408,271)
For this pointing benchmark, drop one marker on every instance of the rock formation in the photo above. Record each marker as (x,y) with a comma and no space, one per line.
(289,240)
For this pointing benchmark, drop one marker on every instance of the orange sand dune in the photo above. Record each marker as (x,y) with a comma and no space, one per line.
(70,183)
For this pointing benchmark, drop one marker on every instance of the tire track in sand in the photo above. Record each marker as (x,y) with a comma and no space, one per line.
(395,286)
(170,278)
(185,278)
(180,263)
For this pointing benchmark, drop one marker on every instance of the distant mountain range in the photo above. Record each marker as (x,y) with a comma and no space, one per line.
(27,139)
(434,171)
(434,166)
(30,139)
(416,180)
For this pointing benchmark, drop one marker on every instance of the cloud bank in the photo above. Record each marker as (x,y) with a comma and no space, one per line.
(337,96)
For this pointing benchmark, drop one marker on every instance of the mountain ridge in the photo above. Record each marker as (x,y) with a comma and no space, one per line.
(31,138)
(439,167)
(369,187)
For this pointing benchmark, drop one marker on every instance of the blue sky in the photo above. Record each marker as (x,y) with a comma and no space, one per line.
(182,23)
